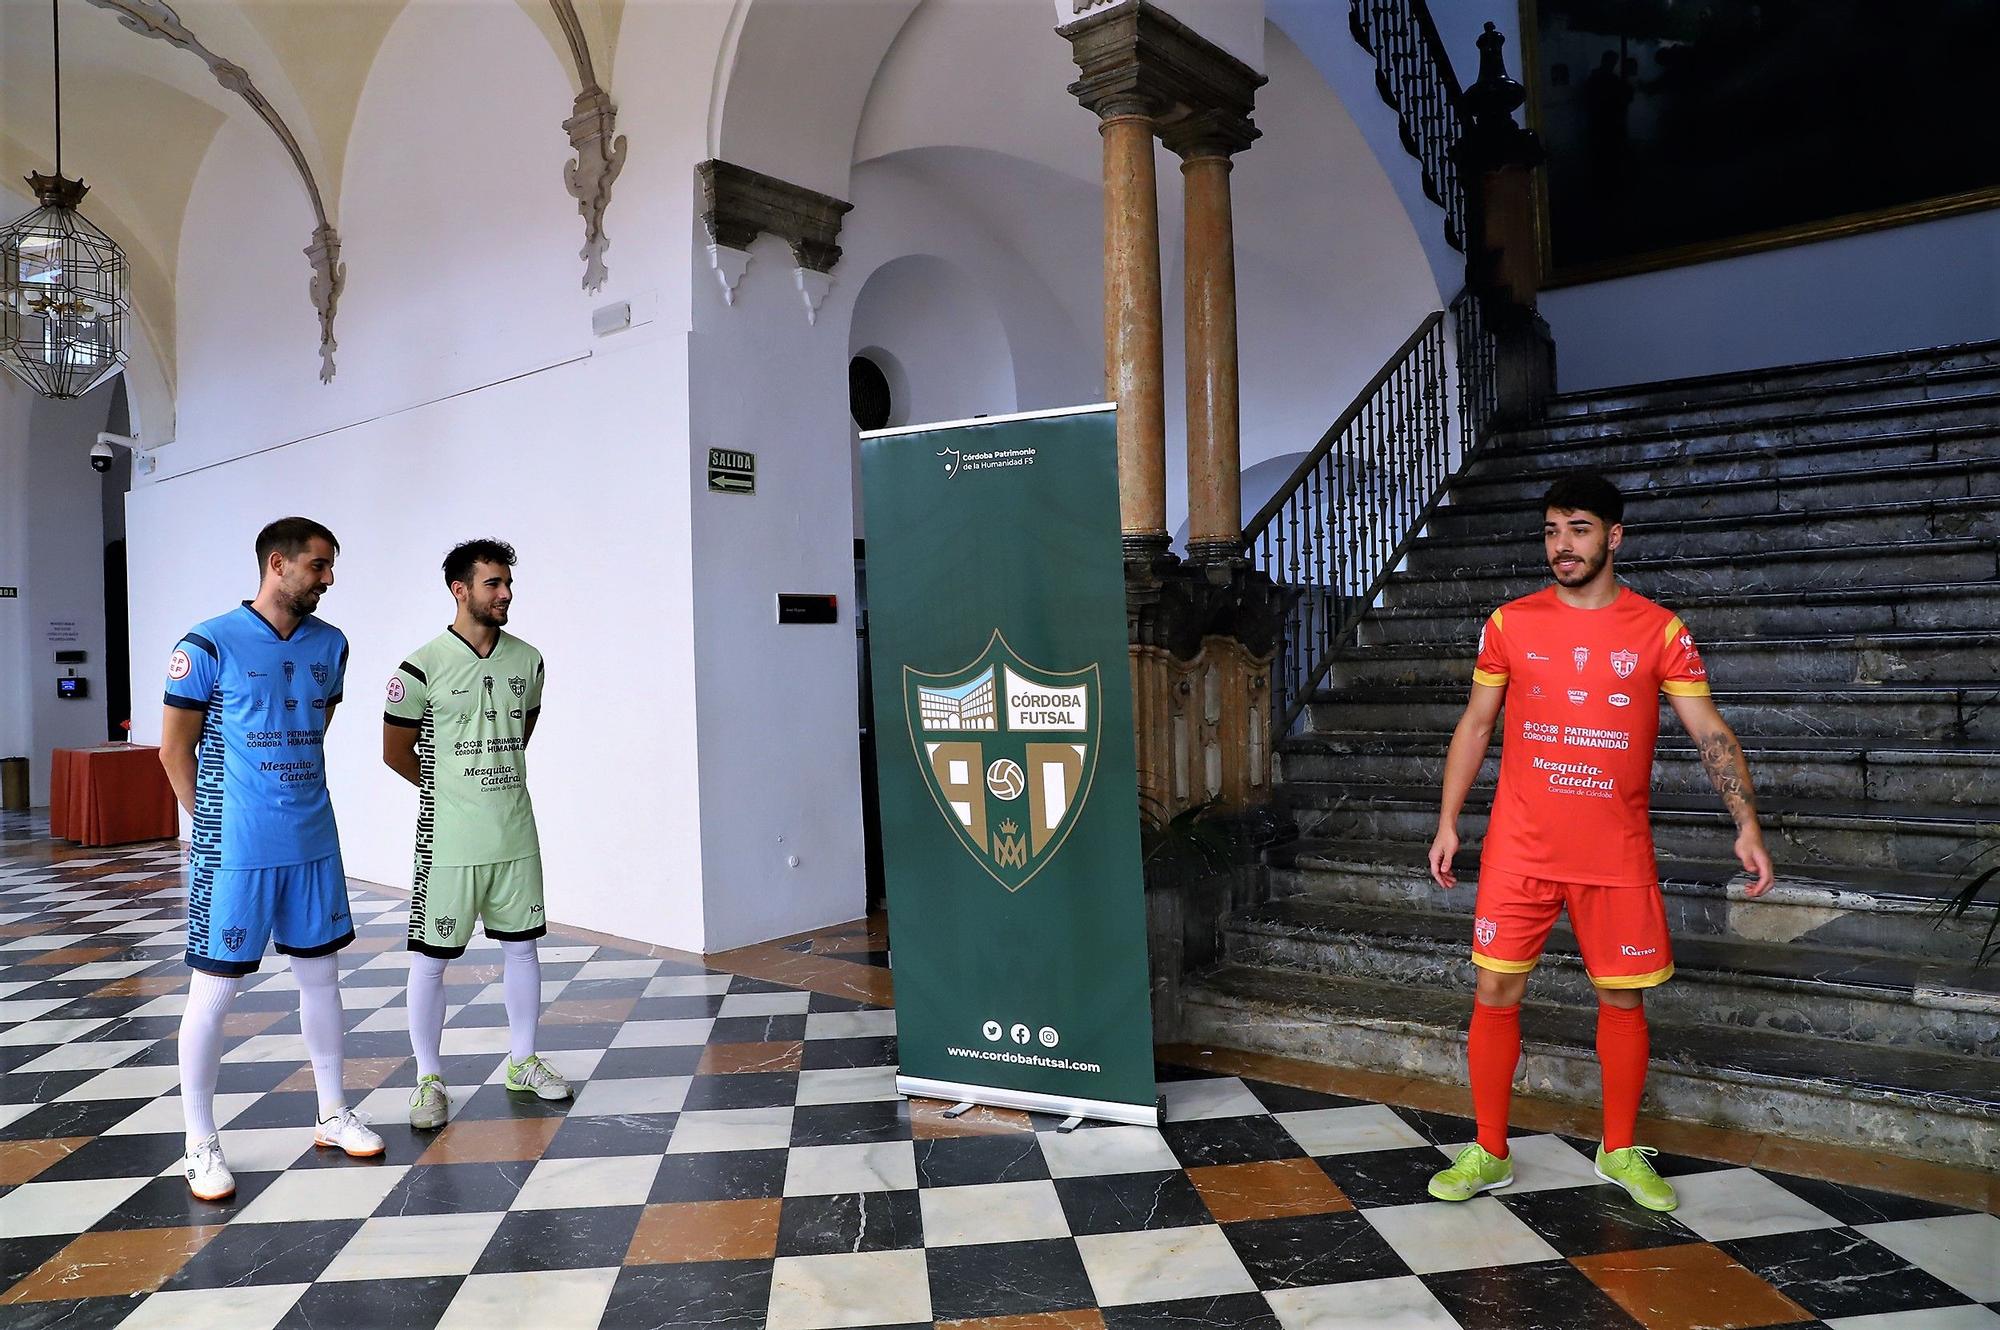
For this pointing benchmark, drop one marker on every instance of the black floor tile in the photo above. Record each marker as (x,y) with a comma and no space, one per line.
(448,1189)
(1290,1099)
(1237,1311)
(867,1051)
(74,1314)
(851,1124)
(849,1222)
(1007,1279)
(378,1304)
(1835,1272)
(757,1029)
(265,1254)
(730,1175)
(1306,1250)
(619,1063)
(749,1089)
(560,1239)
(1243,1140)
(1129,1202)
(714,1295)
(625,1134)
(76,1117)
(960,1161)
(1859,1205)
(1548,1295)
(1590,1221)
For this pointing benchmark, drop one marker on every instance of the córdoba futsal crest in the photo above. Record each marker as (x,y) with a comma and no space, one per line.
(1007,750)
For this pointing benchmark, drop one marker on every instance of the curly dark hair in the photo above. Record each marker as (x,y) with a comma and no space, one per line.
(458,563)
(1586,492)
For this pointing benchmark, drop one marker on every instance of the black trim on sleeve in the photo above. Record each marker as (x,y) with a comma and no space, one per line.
(335,700)
(203,643)
(441,953)
(323,949)
(525,935)
(534,712)
(188,704)
(228,969)
(414,672)
(402,724)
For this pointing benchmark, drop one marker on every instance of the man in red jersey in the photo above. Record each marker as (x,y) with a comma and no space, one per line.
(1581,665)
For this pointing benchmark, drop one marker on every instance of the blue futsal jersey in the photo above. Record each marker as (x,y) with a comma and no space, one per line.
(260,778)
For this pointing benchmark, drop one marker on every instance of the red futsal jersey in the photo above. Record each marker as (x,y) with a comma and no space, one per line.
(1583,711)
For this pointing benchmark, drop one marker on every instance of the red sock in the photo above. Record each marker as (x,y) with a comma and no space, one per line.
(1493,1050)
(1622,1050)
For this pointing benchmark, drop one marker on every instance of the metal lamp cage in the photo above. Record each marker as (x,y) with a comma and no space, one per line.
(65,293)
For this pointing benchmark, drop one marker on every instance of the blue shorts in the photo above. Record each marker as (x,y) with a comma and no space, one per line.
(233,912)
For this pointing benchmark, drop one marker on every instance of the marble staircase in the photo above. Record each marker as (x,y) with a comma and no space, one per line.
(1831,533)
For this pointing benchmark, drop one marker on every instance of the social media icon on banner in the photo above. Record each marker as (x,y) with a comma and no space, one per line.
(1020,1034)
(991,1030)
(1049,1036)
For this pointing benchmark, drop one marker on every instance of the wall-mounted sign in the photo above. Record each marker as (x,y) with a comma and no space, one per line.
(64,630)
(731,471)
(10,592)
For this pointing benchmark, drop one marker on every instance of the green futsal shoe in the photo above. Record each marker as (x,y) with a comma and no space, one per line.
(1631,1169)
(1474,1171)
(429,1105)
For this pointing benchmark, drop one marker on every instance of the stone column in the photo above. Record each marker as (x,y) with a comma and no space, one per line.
(1205,144)
(1134,361)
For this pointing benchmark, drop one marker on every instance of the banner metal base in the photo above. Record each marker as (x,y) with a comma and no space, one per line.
(954,1092)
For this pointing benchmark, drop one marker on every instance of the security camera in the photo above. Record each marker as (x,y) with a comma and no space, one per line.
(105,450)
(100,456)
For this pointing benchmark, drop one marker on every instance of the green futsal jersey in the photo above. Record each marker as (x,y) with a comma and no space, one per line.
(472,715)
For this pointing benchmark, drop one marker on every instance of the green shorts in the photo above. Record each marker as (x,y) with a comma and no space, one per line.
(505,897)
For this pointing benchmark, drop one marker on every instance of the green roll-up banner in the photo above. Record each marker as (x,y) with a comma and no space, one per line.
(1010,816)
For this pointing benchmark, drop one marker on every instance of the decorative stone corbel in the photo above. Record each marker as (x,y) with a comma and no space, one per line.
(739,204)
(600,149)
(730,264)
(155,18)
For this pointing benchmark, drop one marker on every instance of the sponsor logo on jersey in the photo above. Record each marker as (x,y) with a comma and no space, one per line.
(1624,662)
(1582,657)
(1578,696)
(518,685)
(291,668)
(1535,690)
(178,664)
(460,692)
(1485,930)
(319,704)
(1619,700)
(1541,732)
(1536,655)
(232,938)
(395,689)
(291,704)
(517,714)
(1577,778)
(1627,949)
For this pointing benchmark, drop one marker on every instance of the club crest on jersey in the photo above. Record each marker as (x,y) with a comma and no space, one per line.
(1624,662)
(1485,930)
(1582,657)
(290,669)
(994,730)
(518,685)
(395,688)
(445,923)
(320,672)
(232,938)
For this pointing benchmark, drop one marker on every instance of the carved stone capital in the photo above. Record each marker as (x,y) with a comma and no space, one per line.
(600,156)
(738,205)
(1136,59)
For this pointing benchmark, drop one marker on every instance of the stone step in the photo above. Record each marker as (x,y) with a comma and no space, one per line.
(1705,408)
(1849,909)
(1952,776)
(1902,714)
(1941,607)
(1926,1105)
(1966,560)
(1796,987)
(1804,836)
(1486,510)
(1737,385)
(1591,441)
(1751,460)
(1897,659)
(1863,524)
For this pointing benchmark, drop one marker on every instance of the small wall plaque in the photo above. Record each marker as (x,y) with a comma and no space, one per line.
(731,471)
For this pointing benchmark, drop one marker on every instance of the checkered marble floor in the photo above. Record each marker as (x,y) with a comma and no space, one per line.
(737,1156)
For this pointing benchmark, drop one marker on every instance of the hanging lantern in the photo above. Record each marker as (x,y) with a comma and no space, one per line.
(65,287)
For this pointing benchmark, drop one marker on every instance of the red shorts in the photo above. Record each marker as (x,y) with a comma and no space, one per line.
(1621,931)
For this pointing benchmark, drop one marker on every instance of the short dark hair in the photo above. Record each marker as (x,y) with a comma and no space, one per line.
(458,563)
(289,536)
(1586,492)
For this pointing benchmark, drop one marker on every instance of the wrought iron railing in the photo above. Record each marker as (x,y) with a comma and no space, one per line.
(1414,75)
(1344,519)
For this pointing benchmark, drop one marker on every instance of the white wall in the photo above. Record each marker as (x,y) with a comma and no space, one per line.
(1926,285)
(52,549)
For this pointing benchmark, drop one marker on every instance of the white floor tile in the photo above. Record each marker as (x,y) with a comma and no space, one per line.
(1162,1265)
(996,1212)
(1743,1203)
(568,1184)
(166,1116)
(1219,1097)
(1962,1250)
(1353,1130)
(689,985)
(1369,1304)
(320,1193)
(849,1024)
(35,1208)
(255,1307)
(50,1032)
(621,1096)
(849,1289)
(1435,1236)
(1106,1150)
(545,1299)
(94,1055)
(848,1085)
(414,1246)
(1937,1318)
(687,1033)
(831,1170)
(765,1004)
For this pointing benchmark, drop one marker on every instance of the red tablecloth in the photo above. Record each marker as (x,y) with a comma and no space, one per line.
(110,795)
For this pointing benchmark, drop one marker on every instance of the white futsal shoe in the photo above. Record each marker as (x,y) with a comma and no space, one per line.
(208,1177)
(346,1131)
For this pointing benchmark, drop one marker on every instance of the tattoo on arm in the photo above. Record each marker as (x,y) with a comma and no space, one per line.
(1722,759)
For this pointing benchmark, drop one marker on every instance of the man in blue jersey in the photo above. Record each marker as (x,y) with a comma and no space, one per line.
(249,696)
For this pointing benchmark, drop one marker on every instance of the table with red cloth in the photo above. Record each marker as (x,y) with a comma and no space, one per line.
(111,794)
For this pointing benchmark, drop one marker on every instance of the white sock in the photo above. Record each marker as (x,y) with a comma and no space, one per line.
(427,1011)
(209,996)
(321,1021)
(522,977)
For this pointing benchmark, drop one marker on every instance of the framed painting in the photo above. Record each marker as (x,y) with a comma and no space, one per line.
(1685,130)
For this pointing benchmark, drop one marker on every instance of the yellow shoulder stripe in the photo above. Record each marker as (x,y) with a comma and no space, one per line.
(1490,680)
(1673,630)
(1683,688)
(1496,621)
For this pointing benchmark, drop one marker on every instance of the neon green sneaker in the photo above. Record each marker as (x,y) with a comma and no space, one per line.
(1474,1171)
(1631,1169)
(536,1076)
(429,1105)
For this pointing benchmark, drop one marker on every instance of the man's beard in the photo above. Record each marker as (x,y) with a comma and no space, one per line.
(302,603)
(1585,570)
(490,618)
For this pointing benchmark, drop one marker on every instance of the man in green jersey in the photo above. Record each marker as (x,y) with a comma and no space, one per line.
(461,710)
